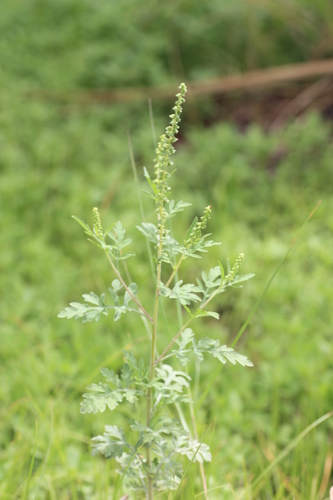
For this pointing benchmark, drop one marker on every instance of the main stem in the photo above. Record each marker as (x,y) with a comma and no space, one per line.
(152,371)
(163,151)
(153,350)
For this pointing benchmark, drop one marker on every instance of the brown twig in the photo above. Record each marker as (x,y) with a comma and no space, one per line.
(252,80)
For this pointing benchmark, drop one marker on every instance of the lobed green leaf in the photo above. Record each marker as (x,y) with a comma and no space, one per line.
(100,397)
(112,444)
(188,345)
(149,230)
(184,293)
(195,451)
(88,313)
(222,353)
(179,207)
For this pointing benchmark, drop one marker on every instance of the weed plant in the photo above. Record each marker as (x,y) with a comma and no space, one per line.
(148,455)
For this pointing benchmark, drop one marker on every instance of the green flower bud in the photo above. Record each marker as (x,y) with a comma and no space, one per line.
(97,223)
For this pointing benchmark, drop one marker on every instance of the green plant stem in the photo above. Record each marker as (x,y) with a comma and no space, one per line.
(151,376)
(127,289)
(203,305)
(153,342)
(174,273)
(172,342)
(154,329)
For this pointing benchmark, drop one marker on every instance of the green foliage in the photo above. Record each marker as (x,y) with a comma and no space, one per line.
(87,313)
(184,293)
(166,437)
(102,395)
(188,345)
(90,313)
(116,234)
(160,384)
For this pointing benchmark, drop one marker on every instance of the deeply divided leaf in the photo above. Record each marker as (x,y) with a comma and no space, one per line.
(188,345)
(88,313)
(184,293)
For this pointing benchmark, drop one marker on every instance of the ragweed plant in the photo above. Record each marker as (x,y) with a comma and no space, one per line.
(149,458)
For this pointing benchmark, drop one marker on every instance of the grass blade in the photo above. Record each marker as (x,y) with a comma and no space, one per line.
(138,190)
(190,463)
(31,465)
(255,307)
(288,449)
(257,304)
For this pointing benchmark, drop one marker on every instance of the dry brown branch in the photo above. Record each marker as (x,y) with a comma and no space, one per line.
(251,81)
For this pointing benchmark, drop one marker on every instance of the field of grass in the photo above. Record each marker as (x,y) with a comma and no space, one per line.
(57,160)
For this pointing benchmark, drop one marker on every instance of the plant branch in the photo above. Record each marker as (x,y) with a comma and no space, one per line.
(175,270)
(127,289)
(173,341)
(188,322)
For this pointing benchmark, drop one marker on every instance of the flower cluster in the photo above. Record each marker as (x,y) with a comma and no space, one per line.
(97,223)
(165,149)
(235,268)
(196,233)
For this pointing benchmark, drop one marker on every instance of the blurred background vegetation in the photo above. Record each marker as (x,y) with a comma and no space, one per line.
(60,157)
